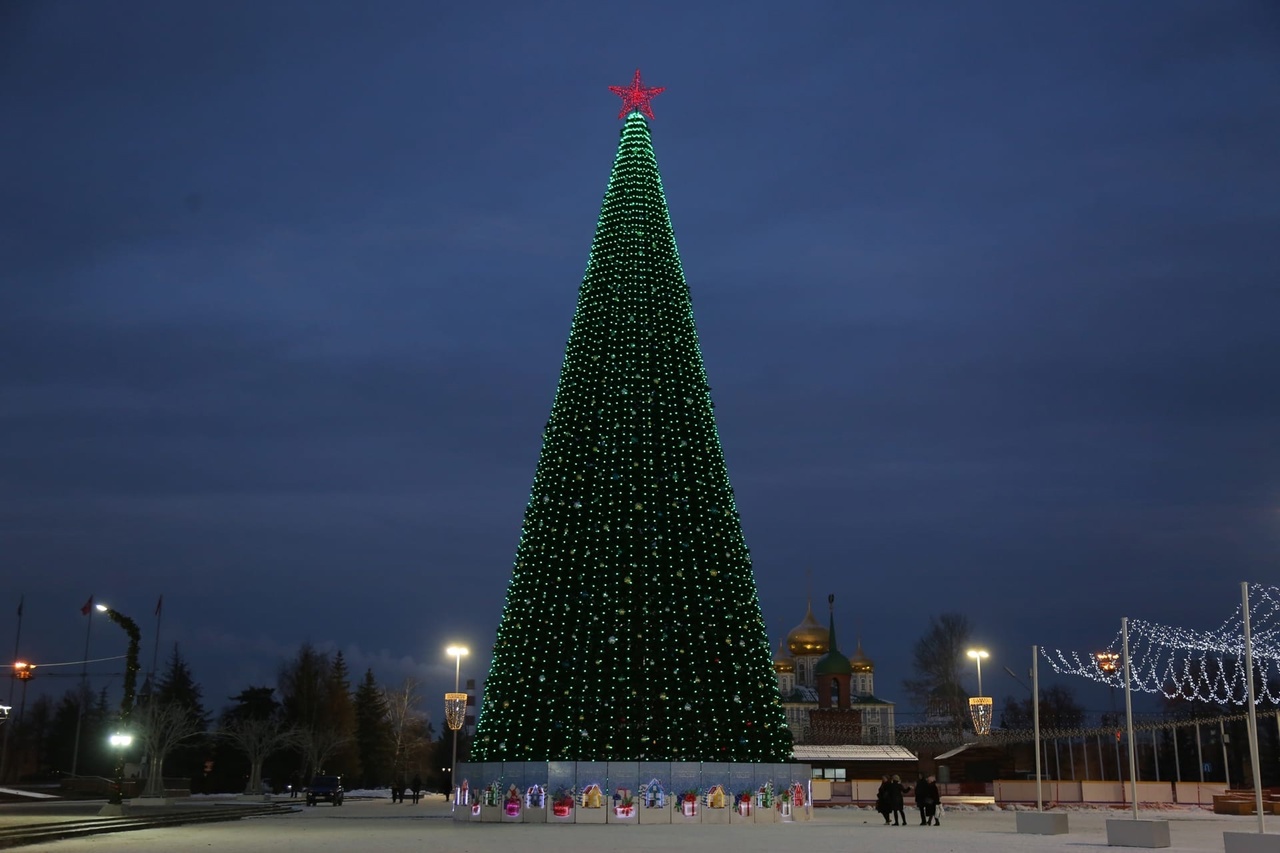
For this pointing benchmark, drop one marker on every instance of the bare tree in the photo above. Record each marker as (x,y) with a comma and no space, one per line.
(938,659)
(409,731)
(319,744)
(258,739)
(165,725)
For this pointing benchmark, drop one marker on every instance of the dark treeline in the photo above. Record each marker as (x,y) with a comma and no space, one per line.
(312,720)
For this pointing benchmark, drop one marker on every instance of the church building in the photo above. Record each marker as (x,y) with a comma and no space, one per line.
(829,698)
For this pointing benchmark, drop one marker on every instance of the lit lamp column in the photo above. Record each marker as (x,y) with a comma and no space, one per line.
(455,711)
(980,706)
(22,671)
(121,740)
(1109,664)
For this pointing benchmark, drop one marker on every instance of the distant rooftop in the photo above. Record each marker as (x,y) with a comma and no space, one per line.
(852,752)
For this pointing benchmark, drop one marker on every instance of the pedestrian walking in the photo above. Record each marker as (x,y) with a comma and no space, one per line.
(897,796)
(882,799)
(930,799)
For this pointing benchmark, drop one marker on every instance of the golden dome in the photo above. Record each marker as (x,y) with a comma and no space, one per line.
(860,662)
(809,637)
(782,660)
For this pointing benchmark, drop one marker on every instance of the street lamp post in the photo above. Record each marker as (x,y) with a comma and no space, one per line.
(121,740)
(980,705)
(455,710)
(1109,664)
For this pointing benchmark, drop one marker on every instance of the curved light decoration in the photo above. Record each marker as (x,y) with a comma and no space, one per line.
(455,710)
(1182,663)
(980,712)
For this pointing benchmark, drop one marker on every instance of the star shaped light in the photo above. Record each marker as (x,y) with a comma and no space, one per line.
(636,96)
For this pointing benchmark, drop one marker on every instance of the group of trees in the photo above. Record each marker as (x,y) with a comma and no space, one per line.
(939,660)
(311,721)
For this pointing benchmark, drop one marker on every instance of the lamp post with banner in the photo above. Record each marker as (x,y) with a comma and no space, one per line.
(980,706)
(455,711)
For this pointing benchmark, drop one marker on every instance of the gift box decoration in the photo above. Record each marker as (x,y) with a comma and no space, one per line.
(512,804)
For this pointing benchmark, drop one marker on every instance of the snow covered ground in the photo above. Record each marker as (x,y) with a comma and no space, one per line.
(374,823)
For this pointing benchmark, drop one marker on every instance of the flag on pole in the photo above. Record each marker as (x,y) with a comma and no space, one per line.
(159,604)
(88,605)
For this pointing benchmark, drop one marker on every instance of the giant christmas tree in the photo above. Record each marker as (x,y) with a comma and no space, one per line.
(631,628)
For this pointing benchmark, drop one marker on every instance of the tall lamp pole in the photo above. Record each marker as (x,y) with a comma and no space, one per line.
(122,739)
(980,705)
(1109,664)
(455,710)
(978,655)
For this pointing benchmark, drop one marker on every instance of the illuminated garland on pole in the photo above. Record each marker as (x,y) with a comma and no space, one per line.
(1208,666)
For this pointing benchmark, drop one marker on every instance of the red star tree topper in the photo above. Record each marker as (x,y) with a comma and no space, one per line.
(637,96)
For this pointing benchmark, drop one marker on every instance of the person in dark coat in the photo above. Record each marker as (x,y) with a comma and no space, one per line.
(397,790)
(929,798)
(882,799)
(897,796)
(416,787)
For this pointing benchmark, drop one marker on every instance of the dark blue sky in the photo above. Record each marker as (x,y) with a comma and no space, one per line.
(987,294)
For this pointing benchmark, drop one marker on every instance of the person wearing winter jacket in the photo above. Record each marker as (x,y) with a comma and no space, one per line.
(928,799)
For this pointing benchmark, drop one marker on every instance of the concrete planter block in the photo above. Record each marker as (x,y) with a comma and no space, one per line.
(769,815)
(681,814)
(654,815)
(586,815)
(1138,833)
(631,815)
(491,814)
(1251,842)
(710,815)
(1042,823)
(534,815)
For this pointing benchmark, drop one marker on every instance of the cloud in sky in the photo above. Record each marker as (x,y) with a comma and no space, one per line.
(987,300)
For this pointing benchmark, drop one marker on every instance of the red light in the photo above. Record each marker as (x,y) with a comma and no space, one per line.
(636,96)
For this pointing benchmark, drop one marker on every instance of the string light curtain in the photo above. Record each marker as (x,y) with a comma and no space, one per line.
(631,628)
(1182,663)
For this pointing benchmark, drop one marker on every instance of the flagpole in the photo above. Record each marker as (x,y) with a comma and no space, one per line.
(155,651)
(84,681)
(17,644)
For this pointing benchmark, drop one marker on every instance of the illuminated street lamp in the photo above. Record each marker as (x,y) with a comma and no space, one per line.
(121,740)
(455,708)
(980,706)
(22,671)
(1109,664)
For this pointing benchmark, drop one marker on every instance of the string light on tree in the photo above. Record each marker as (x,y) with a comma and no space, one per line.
(632,628)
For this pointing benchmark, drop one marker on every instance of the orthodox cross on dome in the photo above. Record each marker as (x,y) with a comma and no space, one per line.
(637,96)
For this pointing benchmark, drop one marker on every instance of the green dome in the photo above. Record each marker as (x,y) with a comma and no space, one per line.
(833,663)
